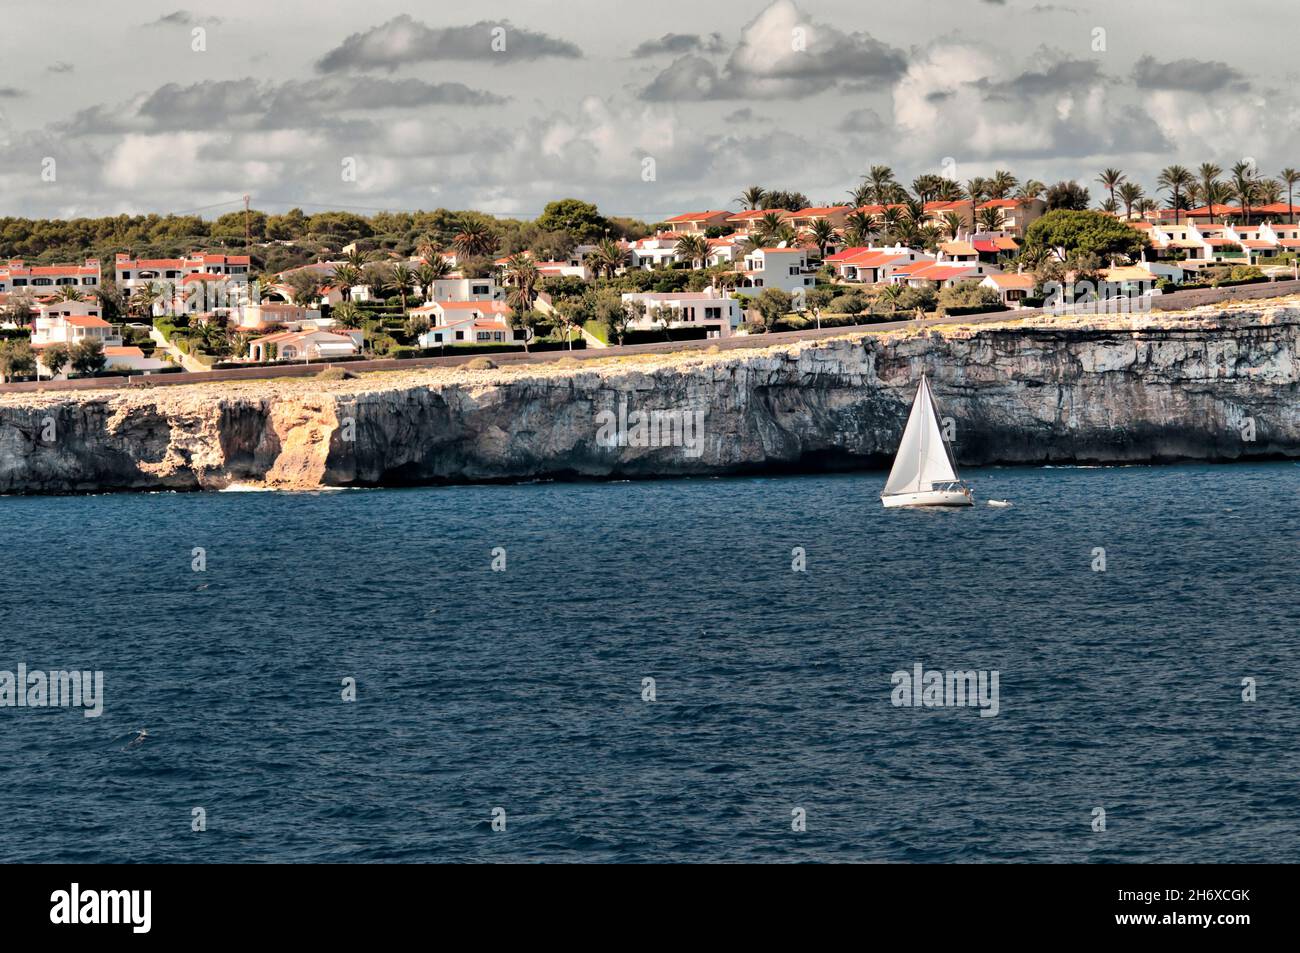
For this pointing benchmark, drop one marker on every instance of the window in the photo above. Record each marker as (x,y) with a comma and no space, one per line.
(90,281)
(19,282)
(480,290)
(460,335)
(42,281)
(483,336)
(126,276)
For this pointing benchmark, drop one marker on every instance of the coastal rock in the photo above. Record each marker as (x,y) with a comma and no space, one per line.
(1160,388)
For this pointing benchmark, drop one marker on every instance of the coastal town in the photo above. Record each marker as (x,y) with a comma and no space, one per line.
(446,283)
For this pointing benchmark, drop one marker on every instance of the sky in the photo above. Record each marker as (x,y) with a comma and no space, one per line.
(646,110)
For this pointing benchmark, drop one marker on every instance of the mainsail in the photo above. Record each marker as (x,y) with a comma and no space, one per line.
(923,459)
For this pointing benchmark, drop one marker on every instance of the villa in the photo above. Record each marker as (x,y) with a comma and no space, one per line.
(871,265)
(1012,289)
(719,314)
(783,268)
(132,272)
(308,344)
(16,276)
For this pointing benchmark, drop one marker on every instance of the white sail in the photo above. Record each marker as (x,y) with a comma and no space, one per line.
(923,459)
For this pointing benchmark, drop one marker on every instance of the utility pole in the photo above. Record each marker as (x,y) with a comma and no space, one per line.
(247,231)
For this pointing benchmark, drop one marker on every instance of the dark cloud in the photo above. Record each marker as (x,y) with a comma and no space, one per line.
(249,104)
(1188,75)
(404,40)
(863,122)
(59,67)
(679,43)
(1063,76)
(744,114)
(11,92)
(184,18)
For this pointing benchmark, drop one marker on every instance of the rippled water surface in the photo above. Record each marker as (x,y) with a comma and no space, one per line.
(523,689)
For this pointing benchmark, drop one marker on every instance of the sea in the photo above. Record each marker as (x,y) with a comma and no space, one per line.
(661,671)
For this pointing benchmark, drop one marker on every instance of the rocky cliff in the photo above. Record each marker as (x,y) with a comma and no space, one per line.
(1208,386)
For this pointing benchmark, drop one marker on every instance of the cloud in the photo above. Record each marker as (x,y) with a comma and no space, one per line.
(781,55)
(1057,77)
(962,101)
(744,114)
(1188,75)
(249,104)
(184,18)
(404,40)
(11,92)
(862,121)
(679,43)
(59,67)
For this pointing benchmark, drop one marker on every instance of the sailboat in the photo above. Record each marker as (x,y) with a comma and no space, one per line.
(924,473)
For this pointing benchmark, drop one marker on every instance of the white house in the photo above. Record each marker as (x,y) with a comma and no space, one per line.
(783,268)
(1012,289)
(868,265)
(468,322)
(720,314)
(467,289)
(656,251)
(305,345)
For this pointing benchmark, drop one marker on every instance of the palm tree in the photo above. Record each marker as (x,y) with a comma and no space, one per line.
(951,224)
(767,226)
(822,234)
(1129,193)
(348,315)
(752,197)
(428,247)
(891,219)
(70,293)
(475,238)
(1174,179)
(883,184)
(1209,174)
(1270,191)
(1029,192)
(890,295)
(989,219)
(1244,188)
(1146,206)
(929,237)
(859,228)
(1290,177)
(608,257)
(861,194)
(402,277)
(1001,184)
(429,272)
(522,275)
(692,248)
(344,277)
(144,298)
(357,259)
(976,189)
(1110,180)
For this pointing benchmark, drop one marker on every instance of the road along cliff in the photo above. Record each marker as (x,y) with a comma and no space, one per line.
(1212,384)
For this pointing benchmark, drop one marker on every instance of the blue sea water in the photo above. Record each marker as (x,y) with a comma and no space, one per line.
(522,689)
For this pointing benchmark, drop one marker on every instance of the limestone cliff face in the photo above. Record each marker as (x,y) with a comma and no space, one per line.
(1167,387)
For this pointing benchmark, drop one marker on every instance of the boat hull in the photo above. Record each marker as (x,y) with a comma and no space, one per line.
(929,498)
